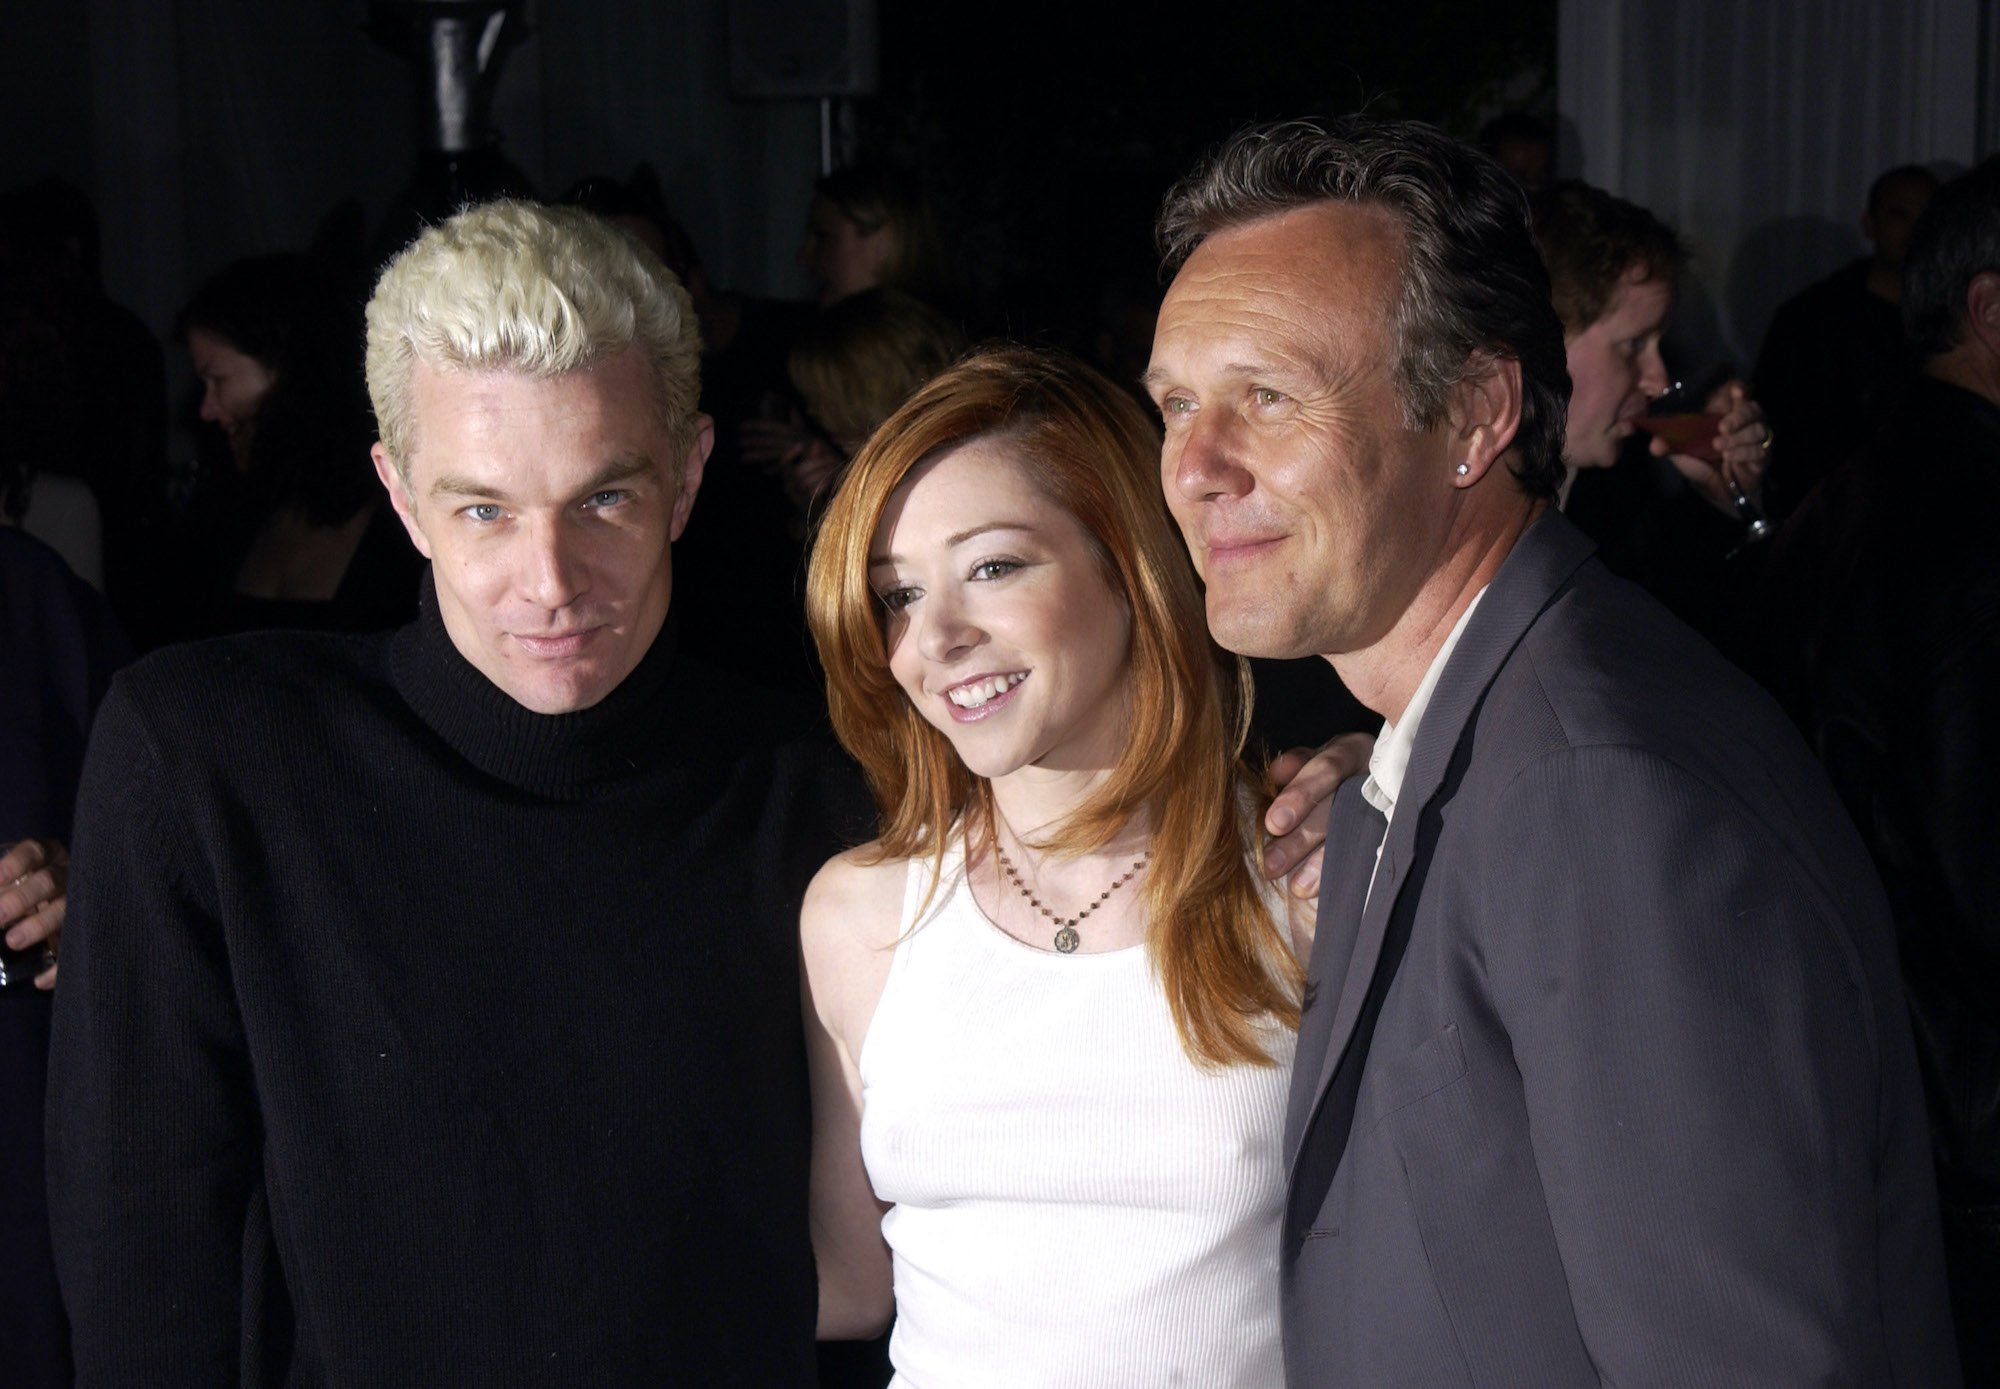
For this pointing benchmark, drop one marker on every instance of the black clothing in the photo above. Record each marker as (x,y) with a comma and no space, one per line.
(1654,528)
(59,647)
(1302,703)
(114,437)
(196,596)
(409,1037)
(739,571)
(1887,582)
(377,591)
(1833,368)
(34,1334)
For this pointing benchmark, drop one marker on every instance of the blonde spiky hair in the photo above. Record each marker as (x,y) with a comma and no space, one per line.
(520,286)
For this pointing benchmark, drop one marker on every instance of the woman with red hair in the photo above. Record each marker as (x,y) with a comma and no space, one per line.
(1052,1008)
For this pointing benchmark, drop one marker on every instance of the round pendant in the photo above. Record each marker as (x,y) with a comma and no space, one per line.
(1067,939)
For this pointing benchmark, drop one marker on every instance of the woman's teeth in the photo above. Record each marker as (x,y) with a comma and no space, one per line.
(972,696)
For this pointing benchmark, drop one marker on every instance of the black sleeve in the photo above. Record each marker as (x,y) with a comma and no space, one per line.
(153,1131)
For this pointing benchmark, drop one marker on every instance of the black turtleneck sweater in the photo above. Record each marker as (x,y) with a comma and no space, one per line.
(407,1037)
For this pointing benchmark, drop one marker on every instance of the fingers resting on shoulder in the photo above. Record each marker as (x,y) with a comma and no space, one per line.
(1296,818)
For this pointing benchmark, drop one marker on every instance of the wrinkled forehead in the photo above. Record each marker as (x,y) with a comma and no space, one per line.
(1327,272)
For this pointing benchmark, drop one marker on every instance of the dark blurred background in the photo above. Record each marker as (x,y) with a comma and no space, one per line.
(205,130)
(1044,132)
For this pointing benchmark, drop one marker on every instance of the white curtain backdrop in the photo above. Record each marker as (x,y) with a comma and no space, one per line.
(1756,126)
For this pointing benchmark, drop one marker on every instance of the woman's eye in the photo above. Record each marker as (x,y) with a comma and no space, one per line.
(1175,405)
(994,568)
(897,599)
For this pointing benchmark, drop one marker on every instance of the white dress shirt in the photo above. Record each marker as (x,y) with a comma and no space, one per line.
(1394,744)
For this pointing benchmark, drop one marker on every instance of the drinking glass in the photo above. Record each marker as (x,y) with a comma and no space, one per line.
(1678,416)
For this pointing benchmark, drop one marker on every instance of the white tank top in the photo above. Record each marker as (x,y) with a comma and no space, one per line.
(1076,1203)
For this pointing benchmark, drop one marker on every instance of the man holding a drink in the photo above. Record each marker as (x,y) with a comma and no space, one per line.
(1613,268)
(1674,520)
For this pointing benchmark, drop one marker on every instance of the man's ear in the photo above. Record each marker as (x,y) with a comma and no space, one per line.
(691,468)
(399,497)
(1486,414)
(1982,311)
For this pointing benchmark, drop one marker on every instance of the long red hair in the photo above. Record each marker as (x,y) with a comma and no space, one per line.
(1223,960)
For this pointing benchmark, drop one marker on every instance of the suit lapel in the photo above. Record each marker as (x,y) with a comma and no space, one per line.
(1353,829)
(1542,561)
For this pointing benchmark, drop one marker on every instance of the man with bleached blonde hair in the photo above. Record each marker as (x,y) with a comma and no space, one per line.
(430,1008)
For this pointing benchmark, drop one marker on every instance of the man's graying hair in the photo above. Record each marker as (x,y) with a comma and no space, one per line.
(518,286)
(1472,281)
(1956,239)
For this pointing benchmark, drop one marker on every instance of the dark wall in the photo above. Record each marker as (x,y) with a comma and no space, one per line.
(44,92)
(210,129)
(1051,130)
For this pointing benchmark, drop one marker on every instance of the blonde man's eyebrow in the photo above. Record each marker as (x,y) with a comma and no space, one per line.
(618,470)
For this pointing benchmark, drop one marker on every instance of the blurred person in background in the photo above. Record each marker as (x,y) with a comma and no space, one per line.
(110,408)
(59,645)
(870,225)
(1835,364)
(852,366)
(299,535)
(1666,519)
(1524,146)
(43,395)
(1884,602)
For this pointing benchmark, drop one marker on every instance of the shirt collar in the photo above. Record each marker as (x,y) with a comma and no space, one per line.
(1395,743)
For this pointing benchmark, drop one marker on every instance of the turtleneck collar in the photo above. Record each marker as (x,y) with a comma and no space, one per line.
(560,756)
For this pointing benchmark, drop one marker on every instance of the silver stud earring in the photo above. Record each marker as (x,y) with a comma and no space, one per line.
(1464,468)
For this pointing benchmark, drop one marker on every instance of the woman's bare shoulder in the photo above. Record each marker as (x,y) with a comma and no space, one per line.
(848,928)
(855,900)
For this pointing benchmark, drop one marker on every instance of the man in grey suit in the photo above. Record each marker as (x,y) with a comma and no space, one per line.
(1605,1075)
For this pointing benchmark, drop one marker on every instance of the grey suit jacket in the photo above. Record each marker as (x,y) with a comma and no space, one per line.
(1612,1080)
